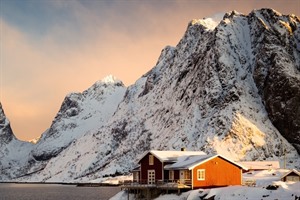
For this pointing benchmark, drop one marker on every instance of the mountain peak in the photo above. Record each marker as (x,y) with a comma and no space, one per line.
(110,79)
(268,10)
(109,82)
(209,23)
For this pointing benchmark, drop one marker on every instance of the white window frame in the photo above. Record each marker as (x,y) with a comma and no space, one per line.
(151,159)
(201,174)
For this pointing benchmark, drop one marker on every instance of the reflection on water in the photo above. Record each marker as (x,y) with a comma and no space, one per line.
(54,192)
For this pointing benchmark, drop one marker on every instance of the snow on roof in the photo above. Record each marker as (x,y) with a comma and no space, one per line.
(137,168)
(186,159)
(260,165)
(171,156)
(189,162)
(291,171)
(185,162)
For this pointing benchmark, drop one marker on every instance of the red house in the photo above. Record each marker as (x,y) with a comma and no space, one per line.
(188,169)
(153,162)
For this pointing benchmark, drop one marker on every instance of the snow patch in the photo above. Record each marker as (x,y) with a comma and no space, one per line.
(211,22)
(110,79)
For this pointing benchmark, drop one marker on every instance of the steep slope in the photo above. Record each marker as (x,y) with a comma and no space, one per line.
(12,151)
(6,134)
(80,113)
(219,90)
(202,95)
(277,70)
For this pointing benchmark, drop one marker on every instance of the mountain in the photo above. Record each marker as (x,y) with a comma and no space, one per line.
(231,86)
(80,113)
(13,153)
(6,133)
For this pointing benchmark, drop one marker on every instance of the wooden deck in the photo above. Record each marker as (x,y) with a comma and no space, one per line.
(142,190)
(166,185)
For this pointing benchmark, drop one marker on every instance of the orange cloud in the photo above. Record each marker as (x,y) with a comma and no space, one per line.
(37,73)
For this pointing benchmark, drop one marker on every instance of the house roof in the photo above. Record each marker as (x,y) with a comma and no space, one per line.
(189,162)
(291,171)
(171,156)
(136,169)
(261,165)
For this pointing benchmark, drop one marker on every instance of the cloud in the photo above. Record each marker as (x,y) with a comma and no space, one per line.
(38,73)
(65,46)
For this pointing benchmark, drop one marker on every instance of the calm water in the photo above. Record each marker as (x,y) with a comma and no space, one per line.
(54,192)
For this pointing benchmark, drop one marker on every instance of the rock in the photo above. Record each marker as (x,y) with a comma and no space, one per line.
(6,134)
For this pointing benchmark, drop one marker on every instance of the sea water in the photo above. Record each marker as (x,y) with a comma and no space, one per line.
(54,192)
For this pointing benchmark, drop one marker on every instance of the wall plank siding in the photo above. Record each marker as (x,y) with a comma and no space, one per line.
(218,172)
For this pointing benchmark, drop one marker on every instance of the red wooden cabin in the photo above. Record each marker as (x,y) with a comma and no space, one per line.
(153,162)
(192,169)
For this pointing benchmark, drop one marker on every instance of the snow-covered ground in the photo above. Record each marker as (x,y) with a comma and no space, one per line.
(113,180)
(285,190)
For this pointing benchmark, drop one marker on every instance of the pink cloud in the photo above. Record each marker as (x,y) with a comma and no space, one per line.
(36,74)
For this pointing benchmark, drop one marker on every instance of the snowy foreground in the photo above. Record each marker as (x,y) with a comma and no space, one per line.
(285,191)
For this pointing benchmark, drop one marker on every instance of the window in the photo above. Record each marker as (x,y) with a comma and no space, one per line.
(201,174)
(151,160)
(171,175)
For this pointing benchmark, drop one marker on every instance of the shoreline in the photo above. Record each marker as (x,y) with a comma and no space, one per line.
(63,183)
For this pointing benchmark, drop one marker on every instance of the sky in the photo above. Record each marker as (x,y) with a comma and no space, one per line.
(49,48)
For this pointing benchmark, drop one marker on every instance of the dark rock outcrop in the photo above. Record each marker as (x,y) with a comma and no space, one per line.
(6,134)
(277,71)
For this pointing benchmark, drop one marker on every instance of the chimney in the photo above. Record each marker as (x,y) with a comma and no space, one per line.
(182,149)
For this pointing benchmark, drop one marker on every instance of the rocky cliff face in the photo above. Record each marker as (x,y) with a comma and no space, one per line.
(6,134)
(14,154)
(208,93)
(230,86)
(277,70)
(80,113)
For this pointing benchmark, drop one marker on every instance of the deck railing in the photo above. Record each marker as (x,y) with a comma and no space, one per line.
(159,183)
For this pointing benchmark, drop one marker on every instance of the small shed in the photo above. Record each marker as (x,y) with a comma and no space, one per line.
(261,165)
(292,175)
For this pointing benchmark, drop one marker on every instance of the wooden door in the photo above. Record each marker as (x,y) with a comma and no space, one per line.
(185,176)
(181,176)
(151,177)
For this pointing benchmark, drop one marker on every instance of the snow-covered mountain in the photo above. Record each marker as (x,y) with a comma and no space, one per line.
(80,113)
(231,85)
(13,153)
